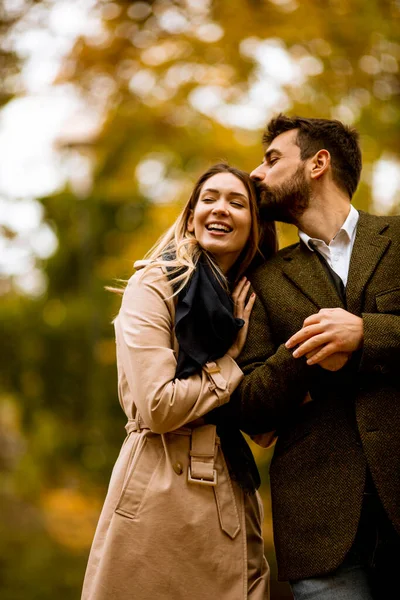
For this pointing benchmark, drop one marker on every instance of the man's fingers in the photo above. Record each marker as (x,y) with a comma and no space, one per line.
(335,361)
(322,354)
(303,335)
(312,353)
(312,319)
(311,344)
(322,320)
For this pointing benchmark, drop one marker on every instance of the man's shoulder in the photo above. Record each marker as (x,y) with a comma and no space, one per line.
(273,264)
(384,220)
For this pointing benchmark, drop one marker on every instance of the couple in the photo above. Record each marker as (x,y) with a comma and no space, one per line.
(315,362)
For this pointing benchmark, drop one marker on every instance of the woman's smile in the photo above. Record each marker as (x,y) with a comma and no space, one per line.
(221,219)
(219,228)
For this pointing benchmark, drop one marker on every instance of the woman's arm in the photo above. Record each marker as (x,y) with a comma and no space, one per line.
(144,330)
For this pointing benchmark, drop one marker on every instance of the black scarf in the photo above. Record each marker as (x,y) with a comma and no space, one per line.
(205,329)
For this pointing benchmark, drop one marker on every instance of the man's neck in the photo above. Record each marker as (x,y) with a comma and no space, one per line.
(323,220)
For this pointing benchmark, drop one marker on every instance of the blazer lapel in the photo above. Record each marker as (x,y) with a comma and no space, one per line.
(304,269)
(369,247)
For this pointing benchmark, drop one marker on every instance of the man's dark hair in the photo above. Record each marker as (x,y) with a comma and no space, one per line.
(313,135)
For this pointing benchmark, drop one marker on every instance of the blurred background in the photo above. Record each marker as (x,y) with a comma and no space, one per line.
(109,112)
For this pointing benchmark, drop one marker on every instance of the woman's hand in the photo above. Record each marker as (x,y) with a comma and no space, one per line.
(241,311)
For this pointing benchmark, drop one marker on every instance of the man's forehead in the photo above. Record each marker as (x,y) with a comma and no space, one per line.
(284,142)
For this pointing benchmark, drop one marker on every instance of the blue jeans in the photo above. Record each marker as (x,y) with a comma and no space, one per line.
(347,583)
(370,570)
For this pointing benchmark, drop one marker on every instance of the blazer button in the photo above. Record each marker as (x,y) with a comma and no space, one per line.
(177,467)
(381,369)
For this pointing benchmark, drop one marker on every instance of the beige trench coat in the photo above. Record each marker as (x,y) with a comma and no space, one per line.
(161,536)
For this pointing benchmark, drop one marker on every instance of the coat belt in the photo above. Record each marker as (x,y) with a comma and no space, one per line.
(205,469)
(203,452)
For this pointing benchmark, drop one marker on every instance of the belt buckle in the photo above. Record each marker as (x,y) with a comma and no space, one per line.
(212,482)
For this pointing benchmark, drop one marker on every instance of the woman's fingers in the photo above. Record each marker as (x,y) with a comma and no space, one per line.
(249,306)
(240,299)
(243,293)
(239,286)
(242,311)
(251,300)
(238,289)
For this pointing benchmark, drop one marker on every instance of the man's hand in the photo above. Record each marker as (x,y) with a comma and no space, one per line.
(334,362)
(330,331)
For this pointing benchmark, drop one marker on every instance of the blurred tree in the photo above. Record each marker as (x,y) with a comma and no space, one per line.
(10,64)
(168,75)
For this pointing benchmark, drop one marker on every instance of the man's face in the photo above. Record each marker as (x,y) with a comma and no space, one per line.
(281,178)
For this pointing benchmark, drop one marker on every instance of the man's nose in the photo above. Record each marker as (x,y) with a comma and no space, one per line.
(258,173)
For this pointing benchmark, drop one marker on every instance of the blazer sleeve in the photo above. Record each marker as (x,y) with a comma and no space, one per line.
(144,332)
(275,383)
(381,348)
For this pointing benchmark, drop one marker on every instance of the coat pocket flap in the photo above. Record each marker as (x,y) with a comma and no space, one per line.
(144,466)
(389,301)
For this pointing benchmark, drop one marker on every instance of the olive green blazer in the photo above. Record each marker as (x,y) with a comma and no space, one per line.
(318,469)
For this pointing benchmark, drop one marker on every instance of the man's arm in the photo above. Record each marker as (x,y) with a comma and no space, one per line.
(275,383)
(381,348)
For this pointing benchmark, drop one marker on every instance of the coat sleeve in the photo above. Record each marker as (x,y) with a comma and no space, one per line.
(381,347)
(275,383)
(144,331)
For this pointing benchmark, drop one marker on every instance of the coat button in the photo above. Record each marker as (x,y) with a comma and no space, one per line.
(177,467)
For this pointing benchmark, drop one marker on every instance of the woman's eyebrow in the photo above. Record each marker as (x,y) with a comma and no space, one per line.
(230,193)
(210,190)
(237,194)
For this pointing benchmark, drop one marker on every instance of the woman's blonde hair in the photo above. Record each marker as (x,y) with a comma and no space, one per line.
(179,251)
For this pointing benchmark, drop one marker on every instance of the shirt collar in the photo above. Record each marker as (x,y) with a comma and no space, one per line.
(349,227)
(350,224)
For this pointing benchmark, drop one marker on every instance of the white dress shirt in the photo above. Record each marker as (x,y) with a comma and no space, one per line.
(338,252)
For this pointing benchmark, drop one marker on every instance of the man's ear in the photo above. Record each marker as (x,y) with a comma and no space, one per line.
(190,226)
(320,163)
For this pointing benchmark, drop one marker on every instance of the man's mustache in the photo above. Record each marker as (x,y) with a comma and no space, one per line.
(264,195)
(261,189)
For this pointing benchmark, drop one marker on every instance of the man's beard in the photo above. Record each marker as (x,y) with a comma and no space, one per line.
(285,202)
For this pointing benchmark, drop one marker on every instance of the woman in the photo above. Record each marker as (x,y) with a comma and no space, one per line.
(176,523)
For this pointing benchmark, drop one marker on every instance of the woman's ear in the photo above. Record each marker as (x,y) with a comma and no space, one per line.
(190,226)
(320,163)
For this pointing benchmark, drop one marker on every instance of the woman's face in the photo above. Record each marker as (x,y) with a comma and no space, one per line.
(221,220)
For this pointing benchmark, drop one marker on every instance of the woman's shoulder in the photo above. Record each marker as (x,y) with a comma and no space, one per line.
(151,277)
(148,295)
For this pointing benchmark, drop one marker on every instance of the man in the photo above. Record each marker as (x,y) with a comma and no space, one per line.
(327,322)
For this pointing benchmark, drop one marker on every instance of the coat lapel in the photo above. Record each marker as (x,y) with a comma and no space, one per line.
(304,269)
(369,247)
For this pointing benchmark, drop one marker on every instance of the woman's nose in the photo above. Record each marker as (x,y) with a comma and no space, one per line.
(221,207)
